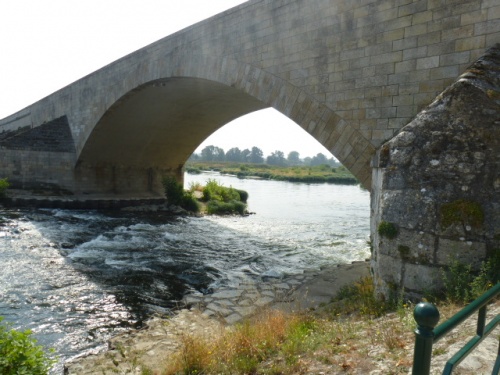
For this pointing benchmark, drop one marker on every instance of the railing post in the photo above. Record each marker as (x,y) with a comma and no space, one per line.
(427,317)
(481,321)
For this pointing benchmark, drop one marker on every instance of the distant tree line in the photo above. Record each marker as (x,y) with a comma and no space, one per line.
(256,156)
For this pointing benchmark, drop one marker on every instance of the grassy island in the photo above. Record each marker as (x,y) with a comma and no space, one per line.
(306,174)
(213,198)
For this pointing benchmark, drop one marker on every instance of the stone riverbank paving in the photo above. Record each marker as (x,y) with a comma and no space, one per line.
(246,296)
(207,315)
(198,313)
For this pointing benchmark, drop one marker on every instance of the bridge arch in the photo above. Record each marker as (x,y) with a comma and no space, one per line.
(165,108)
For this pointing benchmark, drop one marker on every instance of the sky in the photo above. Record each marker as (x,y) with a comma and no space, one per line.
(48,44)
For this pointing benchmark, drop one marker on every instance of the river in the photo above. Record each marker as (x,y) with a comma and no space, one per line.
(77,277)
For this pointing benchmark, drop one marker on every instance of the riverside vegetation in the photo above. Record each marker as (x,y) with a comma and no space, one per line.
(353,334)
(308,174)
(20,354)
(213,198)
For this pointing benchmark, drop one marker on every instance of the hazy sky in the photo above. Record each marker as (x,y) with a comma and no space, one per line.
(48,44)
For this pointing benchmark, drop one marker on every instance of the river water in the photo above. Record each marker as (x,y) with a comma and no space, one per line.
(77,277)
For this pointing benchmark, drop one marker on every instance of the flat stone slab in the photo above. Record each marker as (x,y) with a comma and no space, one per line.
(224,294)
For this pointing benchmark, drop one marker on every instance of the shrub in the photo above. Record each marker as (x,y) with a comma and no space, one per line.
(176,195)
(243,195)
(219,199)
(215,207)
(19,353)
(214,191)
(4,184)
(489,275)
(173,190)
(462,284)
(359,297)
(190,203)
(193,170)
(195,186)
(457,282)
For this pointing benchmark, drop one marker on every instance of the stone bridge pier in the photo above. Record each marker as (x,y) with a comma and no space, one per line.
(436,186)
(360,76)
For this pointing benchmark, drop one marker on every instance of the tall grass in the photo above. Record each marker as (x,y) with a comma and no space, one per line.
(242,349)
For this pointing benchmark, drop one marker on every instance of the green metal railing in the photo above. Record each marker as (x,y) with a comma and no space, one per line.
(427,317)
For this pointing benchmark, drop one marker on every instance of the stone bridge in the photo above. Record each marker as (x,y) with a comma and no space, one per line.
(351,73)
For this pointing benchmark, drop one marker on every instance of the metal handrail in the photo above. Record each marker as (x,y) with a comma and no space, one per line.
(427,316)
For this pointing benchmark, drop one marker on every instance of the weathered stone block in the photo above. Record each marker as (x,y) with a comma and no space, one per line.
(428,62)
(412,8)
(467,44)
(416,30)
(465,252)
(422,278)
(388,271)
(414,53)
(444,72)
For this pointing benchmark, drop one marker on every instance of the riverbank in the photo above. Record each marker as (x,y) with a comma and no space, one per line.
(206,315)
(364,345)
(304,174)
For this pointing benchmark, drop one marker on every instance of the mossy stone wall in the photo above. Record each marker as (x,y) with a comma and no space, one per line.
(436,185)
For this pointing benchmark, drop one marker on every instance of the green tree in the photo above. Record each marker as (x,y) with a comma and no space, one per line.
(319,159)
(212,153)
(234,154)
(333,162)
(245,155)
(293,158)
(276,158)
(256,156)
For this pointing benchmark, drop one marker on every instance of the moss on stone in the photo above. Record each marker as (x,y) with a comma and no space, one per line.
(493,94)
(462,212)
(404,251)
(388,230)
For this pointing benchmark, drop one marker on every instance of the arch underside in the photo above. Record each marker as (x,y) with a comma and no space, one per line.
(151,131)
(161,123)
